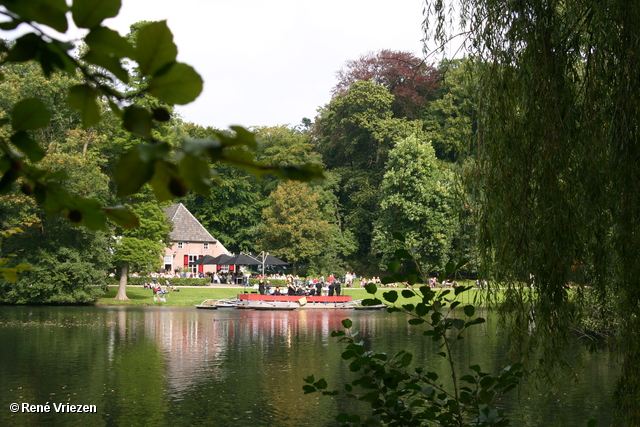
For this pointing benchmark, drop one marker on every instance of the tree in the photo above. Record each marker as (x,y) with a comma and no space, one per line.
(412,82)
(293,226)
(355,133)
(142,247)
(416,199)
(450,118)
(557,164)
(102,72)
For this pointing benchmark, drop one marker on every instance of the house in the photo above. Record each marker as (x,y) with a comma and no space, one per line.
(190,241)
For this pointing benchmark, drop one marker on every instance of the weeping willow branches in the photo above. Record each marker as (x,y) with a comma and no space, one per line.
(558,167)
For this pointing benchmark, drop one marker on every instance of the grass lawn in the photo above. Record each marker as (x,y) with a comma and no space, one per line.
(139,296)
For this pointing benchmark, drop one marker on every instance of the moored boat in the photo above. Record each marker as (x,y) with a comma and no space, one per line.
(208,304)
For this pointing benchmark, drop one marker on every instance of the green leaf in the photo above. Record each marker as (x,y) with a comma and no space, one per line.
(85,211)
(406,359)
(422,309)
(180,84)
(460,289)
(306,172)
(28,146)
(391,296)
(155,48)
(416,321)
(403,254)
(371,301)
(90,13)
(308,389)
(476,321)
(166,183)
(458,323)
(393,266)
(371,288)
(137,120)
(486,396)
(487,382)
(122,216)
(107,48)
(25,48)
(469,310)
(347,323)
(196,174)
(408,293)
(321,384)
(398,236)
(468,378)
(8,178)
(29,114)
(592,422)
(83,98)
(131,173)
(48,12)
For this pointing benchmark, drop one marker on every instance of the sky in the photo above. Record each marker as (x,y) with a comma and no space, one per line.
(268,63)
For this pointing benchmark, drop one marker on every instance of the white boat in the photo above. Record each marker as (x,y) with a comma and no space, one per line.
(208,304)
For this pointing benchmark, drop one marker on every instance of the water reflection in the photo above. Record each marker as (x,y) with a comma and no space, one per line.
(182,366)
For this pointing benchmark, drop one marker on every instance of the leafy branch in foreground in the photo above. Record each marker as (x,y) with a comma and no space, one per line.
(103,69)
(400,396)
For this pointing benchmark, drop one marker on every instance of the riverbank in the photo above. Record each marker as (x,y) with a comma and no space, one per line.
(192,295)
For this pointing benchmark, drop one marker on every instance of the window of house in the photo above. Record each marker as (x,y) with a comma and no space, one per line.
(206,246)
(192,266)
(180,245)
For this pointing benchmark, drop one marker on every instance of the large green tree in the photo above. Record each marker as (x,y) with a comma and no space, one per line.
(558,162)
(355,133)
(141,247)
(293,225)
(416,199)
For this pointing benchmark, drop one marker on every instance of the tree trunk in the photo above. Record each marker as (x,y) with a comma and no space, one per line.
(122,287)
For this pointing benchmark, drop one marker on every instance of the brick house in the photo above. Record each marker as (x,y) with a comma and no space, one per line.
(189,241)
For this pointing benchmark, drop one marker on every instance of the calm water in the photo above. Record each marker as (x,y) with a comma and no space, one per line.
(182,366)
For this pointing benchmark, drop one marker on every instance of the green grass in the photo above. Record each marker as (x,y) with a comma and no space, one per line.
(139,296)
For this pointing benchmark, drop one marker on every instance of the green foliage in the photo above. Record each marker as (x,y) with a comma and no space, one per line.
(101,72)
(402,396)
(416,198)
(557,171)
(293,226)
(355,133)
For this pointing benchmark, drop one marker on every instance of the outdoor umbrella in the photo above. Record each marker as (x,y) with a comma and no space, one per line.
(221,259)
(205,260)
(242,259)
(271,260)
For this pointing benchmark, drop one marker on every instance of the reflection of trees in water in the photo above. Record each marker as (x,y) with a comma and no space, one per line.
(242,367)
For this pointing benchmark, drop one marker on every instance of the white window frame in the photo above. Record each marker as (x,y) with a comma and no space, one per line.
(193,258)
(168,260)
(180,245)
(206,246)
(224,269)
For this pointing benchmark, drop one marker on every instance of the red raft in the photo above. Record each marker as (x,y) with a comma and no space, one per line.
(295,302)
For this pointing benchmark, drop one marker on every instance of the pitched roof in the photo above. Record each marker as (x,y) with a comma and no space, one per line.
(186,228)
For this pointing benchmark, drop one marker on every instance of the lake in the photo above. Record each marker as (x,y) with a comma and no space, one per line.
(179,366)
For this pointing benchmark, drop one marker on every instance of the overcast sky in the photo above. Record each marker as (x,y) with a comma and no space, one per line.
(273,62)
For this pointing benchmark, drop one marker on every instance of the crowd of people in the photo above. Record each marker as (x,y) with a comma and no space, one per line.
(158,289)
(301,287)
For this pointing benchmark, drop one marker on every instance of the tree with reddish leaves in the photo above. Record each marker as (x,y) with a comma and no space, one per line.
(408,78)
